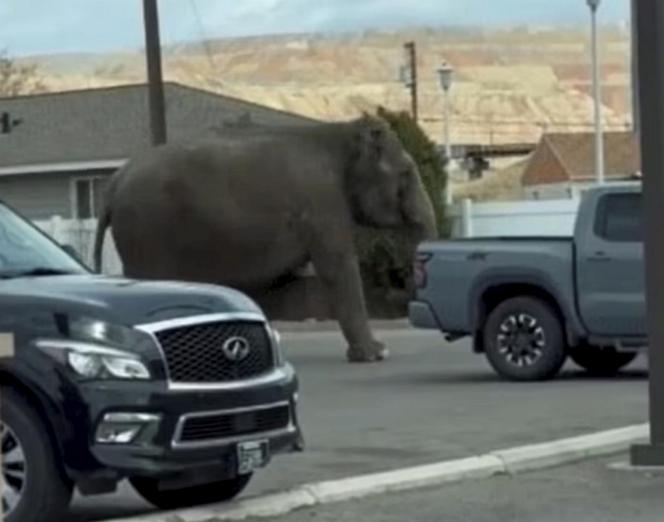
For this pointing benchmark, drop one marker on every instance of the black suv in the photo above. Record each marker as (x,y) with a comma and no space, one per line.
(181,388)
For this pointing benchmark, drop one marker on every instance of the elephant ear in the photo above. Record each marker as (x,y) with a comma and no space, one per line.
(370,137)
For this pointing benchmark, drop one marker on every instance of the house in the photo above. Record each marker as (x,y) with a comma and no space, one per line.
(563,164)
(58,149)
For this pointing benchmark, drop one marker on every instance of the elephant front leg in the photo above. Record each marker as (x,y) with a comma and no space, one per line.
(340,276)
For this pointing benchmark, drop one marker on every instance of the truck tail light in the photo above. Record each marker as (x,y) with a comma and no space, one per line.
(420,269)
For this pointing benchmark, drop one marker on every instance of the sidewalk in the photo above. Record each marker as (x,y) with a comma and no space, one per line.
(585,492)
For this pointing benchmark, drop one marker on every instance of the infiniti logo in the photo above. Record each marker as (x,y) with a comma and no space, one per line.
(236,349)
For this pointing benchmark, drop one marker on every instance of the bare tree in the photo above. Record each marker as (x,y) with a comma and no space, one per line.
(16,79)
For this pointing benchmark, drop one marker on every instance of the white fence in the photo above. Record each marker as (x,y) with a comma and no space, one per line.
(514,218)
(80,234)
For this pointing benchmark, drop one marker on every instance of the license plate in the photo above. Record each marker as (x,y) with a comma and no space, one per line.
(252,455)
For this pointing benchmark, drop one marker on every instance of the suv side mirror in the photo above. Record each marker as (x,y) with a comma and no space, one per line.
(70,250)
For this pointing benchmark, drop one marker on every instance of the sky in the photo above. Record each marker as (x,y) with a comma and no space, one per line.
(53,26)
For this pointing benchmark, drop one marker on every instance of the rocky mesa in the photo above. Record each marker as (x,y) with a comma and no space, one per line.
(510,84)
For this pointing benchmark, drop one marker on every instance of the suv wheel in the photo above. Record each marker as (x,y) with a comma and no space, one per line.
(220,491)
(36,489)
(601,362)
(523,340)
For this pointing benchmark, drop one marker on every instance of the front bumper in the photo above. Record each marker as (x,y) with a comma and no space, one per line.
(421,315)
(156,451)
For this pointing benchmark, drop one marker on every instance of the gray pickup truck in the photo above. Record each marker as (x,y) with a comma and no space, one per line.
(529,303)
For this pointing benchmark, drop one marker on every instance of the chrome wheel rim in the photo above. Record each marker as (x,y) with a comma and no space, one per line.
(14,470)
(521,340)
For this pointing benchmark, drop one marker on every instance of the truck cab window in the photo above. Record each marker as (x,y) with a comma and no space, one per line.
(619,218)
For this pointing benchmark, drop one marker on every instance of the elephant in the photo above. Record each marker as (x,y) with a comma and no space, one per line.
(246,207)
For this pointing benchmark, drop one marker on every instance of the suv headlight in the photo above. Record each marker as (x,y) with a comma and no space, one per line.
(95,349)
(92,361)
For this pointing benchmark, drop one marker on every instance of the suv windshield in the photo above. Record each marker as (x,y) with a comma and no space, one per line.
(24,250)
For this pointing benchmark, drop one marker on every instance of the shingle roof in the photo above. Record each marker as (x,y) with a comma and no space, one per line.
(571,156)
(113,123)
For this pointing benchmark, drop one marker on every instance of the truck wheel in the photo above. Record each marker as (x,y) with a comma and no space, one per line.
(601,362)
(220,491)
(36,489)
(524,341)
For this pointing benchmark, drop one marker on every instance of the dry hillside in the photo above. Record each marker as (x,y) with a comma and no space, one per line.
(509,85)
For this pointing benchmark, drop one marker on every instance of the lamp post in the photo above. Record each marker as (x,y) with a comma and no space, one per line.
(445,74)
(597,94)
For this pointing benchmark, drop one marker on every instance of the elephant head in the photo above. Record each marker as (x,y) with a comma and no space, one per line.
(384,184)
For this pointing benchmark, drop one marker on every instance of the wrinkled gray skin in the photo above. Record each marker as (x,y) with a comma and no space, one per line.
(248,206)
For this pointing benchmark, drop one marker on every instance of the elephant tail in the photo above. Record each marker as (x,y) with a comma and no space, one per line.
(103,223)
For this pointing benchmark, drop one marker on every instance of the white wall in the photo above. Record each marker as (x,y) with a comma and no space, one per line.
(554,217)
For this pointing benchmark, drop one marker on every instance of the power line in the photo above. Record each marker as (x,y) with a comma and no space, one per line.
(204,40)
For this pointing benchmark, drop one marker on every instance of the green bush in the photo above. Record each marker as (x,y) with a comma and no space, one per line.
(386,256)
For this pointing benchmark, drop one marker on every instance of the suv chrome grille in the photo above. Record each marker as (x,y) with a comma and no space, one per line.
(194,353)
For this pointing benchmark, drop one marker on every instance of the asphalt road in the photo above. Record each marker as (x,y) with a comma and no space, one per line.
(429,402)
(587,492)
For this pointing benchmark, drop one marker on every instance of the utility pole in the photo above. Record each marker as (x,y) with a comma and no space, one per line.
(412,62)
(155,81)
(648,15)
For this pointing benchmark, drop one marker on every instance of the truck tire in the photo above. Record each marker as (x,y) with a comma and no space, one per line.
(601,362)
(524,341)
(36,489)
(219,491)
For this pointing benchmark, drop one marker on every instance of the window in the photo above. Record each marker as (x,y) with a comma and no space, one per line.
(88,196)
(619,218)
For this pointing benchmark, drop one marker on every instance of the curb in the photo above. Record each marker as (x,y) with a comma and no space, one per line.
(501,462)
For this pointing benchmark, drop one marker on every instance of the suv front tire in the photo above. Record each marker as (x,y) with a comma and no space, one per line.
(36,489)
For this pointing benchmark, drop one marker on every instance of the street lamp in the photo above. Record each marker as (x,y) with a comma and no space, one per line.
(597,95)
(445,74)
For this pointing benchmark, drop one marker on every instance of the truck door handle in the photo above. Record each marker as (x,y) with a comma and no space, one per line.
(599,257)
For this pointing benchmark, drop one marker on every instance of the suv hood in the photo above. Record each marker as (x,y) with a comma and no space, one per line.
(124,301)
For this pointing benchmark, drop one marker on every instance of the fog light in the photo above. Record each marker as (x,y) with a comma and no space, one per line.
(123,428)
